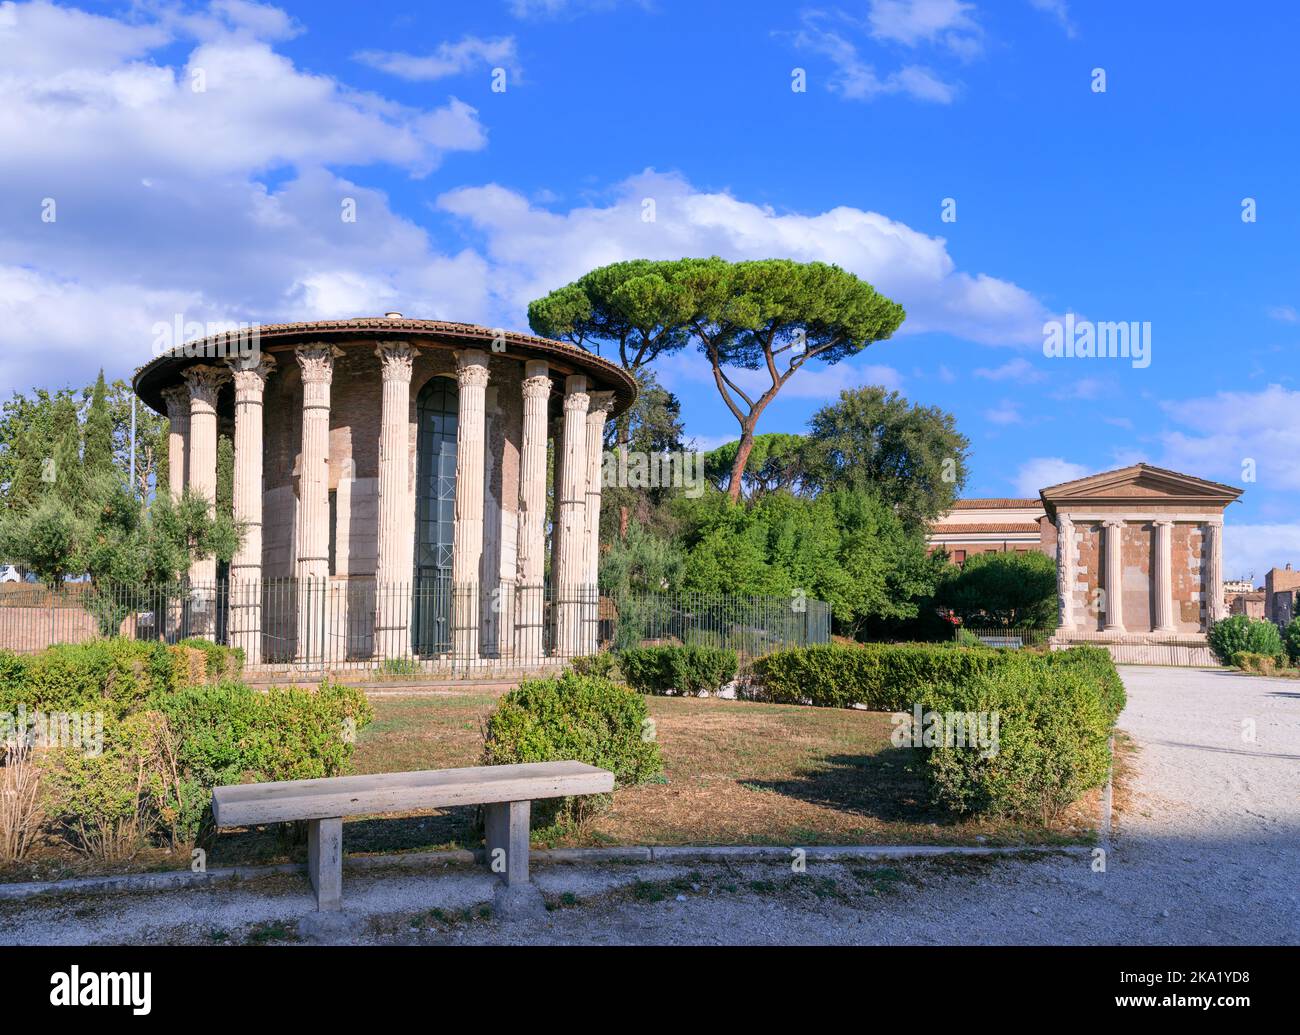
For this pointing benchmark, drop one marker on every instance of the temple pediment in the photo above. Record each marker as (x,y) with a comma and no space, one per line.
(1140,481)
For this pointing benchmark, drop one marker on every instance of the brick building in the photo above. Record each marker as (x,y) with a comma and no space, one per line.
(1280,587)
(1139,561)
(392,477)
(989,526)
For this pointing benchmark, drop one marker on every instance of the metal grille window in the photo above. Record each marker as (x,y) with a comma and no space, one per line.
(437,413)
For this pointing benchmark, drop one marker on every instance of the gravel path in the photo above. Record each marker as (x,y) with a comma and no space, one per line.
(1206,849)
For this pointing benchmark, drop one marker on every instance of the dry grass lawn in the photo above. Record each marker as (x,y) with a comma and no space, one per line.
(734,773)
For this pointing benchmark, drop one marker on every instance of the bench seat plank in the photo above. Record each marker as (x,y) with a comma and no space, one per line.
(338,796)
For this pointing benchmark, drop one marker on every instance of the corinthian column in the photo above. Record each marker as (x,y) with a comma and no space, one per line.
(1162,581)
(204,383)
(571,519)
(1214,572)
(530,556)
(250,374)
(312,562)
(1114,577)
(531,561)
(396,504)
(601,404)
(1065,575)
(467,536)
(178,437)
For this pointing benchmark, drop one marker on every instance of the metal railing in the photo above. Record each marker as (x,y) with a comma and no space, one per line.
(1014,638)
(428,625)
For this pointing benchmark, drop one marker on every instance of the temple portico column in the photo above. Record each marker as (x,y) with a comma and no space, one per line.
(312,562)
(204,382)
(395,568)
(601,404)
(571,519)
(178,437)
(467,539)
(1214,572)
(1162,579)
(530,560)
(1065,574)
(250,374)
(1114,575)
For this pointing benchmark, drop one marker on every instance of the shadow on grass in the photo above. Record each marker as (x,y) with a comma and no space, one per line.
(886,785)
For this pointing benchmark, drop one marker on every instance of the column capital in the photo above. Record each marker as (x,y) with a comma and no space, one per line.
(317,362)
(177,398)
(1114,522)
(600,405)
(1163,522)
(472,368)
(537,383)
(250,372)
(575,393)
(397,359)
(203,383)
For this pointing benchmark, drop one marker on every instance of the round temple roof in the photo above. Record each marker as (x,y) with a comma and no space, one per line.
(165,370)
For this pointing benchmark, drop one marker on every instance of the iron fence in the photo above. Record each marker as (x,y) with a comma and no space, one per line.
(428,625)
(1014,638)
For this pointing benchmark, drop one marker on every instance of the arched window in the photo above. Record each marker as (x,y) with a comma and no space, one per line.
(437,413)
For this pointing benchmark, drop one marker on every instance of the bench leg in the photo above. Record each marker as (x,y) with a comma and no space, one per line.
(325,862)
(507,840)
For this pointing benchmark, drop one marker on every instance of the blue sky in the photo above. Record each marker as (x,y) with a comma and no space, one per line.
(1124,205)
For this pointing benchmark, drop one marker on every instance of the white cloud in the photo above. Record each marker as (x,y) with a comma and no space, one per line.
(1019,370)
(448,59)
(537,9)
(1231,428)
(1284,313)
(1006,412)
(173,218)
(910,22)
(1060,10)
(1041,472)
(857,79)
(1257,548)
(535,250)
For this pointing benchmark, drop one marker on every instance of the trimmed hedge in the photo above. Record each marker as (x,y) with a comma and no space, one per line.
(116,676)
(881,676)
(1052,742)
(1055,713)
(672,669)
(574,717)
(169,735)
(1240,633)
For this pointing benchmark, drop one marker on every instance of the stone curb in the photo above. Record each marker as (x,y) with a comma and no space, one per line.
(172,880)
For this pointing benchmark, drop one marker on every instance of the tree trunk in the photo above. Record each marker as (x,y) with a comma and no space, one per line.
(743,449)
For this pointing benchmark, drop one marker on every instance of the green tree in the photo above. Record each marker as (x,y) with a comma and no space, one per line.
(775,462)
(1003,590)
(97,454)
(772,315)
(910,456)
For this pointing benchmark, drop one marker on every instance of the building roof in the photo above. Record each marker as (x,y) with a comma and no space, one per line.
(1136,482)
(994,503)
(977,527)
(564,358)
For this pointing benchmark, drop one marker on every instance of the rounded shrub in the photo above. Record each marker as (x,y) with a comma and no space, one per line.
(574,718)
(672,669)
(1051,742)
(1241,633)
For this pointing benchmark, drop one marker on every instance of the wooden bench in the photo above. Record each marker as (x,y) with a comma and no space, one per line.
(506,790)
